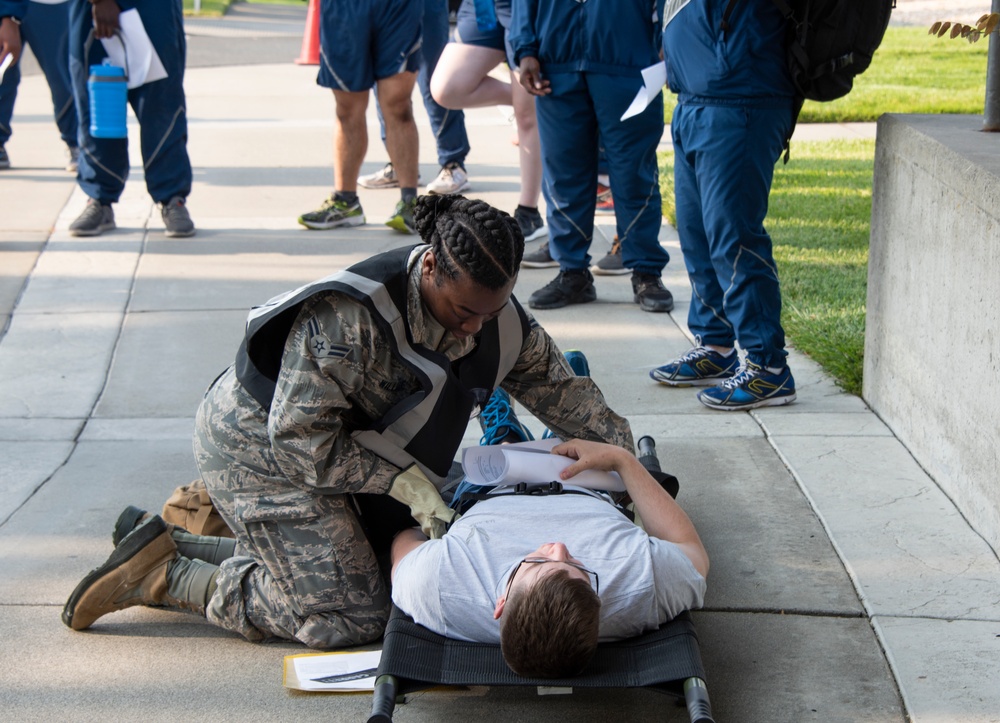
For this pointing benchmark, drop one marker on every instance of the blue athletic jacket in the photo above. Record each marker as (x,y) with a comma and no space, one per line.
(615,37)
(16,8)
(13,8)
(744,64)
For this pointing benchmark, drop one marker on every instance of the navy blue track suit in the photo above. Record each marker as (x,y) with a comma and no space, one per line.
(592,53)
(159,106)
(734,112)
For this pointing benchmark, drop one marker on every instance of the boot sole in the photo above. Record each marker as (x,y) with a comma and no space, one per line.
(131,546)
(327,225)
(93,231)
(398,224)
(127,521)
(564,302)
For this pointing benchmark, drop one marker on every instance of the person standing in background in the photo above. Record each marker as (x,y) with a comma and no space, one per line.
(43,25)
(735,109)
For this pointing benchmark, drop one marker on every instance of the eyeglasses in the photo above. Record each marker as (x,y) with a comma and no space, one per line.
(591,575)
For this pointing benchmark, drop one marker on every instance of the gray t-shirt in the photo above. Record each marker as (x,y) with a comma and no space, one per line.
(451,585)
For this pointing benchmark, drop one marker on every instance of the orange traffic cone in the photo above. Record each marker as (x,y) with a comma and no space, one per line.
(309,54)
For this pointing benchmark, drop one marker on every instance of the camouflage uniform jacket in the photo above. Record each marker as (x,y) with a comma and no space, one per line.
(339,371)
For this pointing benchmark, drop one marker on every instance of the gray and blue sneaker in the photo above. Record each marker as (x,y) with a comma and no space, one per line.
(333,214)
(751,387)
(499,422)
(698,367)
(402,218)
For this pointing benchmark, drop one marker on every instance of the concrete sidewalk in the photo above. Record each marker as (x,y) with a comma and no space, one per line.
(844,587)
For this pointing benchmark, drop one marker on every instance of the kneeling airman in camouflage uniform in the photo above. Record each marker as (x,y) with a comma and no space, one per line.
(361,383)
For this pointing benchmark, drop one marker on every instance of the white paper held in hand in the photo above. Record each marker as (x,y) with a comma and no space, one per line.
(653,78)
(7,60)
(531,462)
(144,65)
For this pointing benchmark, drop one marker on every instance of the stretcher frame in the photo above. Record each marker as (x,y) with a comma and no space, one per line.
(666,660)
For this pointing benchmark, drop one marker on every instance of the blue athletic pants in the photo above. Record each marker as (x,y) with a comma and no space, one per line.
(159,106)
(724,158)
(581,108)
(45,29)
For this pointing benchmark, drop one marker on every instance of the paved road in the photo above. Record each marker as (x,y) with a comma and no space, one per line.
(845,586)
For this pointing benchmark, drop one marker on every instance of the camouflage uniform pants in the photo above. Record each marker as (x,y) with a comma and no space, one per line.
(304,569)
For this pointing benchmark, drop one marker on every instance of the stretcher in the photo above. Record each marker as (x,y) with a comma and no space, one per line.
(666,660)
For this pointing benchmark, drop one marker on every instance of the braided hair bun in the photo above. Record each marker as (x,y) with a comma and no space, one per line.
(472,237)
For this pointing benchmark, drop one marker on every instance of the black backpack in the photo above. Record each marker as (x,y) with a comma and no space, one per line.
(829,42)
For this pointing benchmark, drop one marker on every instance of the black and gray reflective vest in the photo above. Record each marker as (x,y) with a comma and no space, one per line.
(427,426)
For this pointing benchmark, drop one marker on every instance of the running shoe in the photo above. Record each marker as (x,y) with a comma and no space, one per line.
(540,258)
(531,223)
(700,366)
(605,201)
(96,218)
(611,264)
(753,386)
(402,218)
(4,158)
(333,214)
(571,286)
(176,218)
(382,178)
(452,179)
(499,422)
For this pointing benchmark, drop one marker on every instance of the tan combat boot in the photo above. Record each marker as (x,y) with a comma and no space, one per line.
(134,574)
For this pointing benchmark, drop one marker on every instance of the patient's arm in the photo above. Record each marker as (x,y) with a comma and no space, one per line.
(403,544)
(661,516)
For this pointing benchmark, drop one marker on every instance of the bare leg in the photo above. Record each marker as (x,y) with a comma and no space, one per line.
(401,140)
(350,139)
(461,78)
(529,146)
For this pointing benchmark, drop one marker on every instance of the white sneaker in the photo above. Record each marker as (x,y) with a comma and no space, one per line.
(382,178)
(451,179)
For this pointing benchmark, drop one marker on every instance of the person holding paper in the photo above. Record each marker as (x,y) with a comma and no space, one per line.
(735,112)
(357,386)
(583,62)
(156,29)
(44,26)
(549,576)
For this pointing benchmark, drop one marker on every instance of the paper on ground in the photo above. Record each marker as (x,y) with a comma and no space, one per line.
(531,462)
(653,78)
(305,671)
(144,65)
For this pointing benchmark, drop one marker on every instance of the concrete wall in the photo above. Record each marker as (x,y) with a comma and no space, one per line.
(932,344)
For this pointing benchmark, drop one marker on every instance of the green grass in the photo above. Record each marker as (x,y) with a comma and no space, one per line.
(217,8)
(819,216)
(209,8)
(912,72)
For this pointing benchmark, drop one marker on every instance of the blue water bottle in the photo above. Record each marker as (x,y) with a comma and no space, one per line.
(486,15)
(108,90)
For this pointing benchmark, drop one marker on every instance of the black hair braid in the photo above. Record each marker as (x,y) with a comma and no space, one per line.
(470,236)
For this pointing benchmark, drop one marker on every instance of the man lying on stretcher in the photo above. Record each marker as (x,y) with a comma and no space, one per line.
(498,574)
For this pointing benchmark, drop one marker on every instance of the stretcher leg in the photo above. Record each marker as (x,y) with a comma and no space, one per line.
(383,699)
(696,697)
